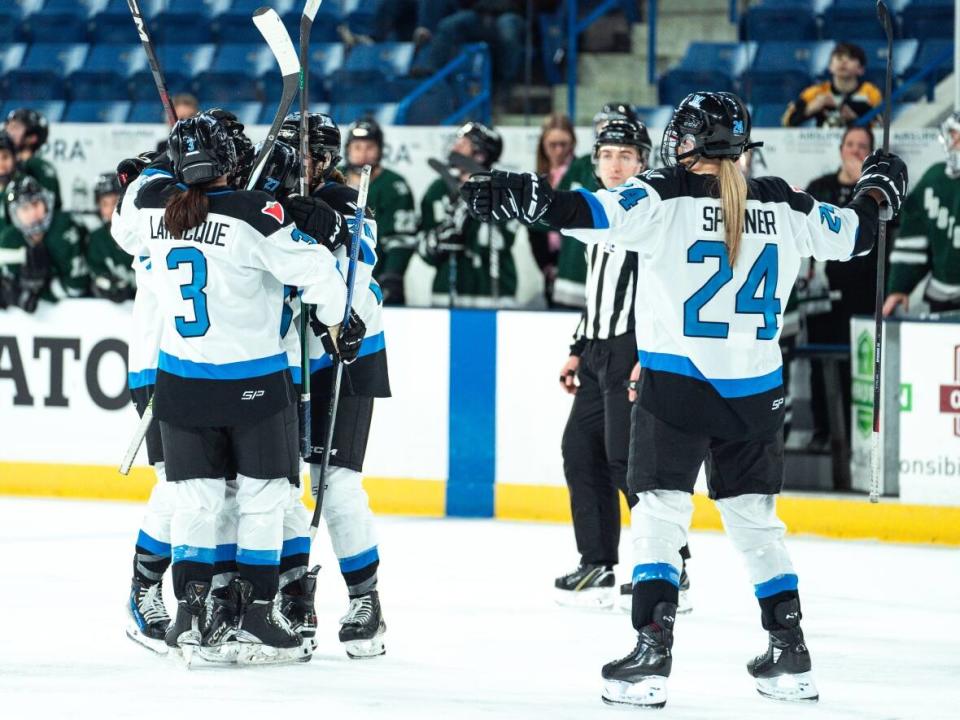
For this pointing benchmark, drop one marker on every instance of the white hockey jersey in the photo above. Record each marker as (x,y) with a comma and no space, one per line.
(706,331)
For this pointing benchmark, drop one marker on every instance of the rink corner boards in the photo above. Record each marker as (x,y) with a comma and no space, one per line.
(852,518)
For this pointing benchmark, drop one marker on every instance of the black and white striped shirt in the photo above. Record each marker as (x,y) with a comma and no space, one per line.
(611,294)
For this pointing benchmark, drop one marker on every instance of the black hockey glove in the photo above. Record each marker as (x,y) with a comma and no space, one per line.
(318,220)
(111,288)
(347,346)
(500,196)
(391,286)
(34,275)
(129,170)
(887,173)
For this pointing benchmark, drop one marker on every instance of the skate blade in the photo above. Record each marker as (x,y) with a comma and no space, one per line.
(223,654)
(591,598)
(789,688)
(651,692)
(259,654)
(363,649)
(158,647)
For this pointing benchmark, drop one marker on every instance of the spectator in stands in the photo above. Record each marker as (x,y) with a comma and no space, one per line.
(854,280)
(474,263)
(927,242)
(8,172)
(29,131)
(569,290)
(843,98)
(185,105)
(554,154)
(53,267)
(392,204)
(111,269)
(499,23)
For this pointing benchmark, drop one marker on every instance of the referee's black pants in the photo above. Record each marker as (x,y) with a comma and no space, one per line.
(596,443)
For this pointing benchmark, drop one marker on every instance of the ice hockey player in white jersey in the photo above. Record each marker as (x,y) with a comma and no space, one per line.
(711,387)
(224,396)
(346,507)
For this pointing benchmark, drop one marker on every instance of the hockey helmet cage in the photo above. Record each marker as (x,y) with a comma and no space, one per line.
(707,124)
(22,191)
(34,123)
(201,150)
(947,127)
(485,140)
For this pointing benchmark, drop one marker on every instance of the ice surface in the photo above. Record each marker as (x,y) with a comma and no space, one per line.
(472,630)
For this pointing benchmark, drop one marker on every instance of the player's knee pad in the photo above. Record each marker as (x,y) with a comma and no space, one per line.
(296,517)
(658,527)
(260,505)
(346,510)
(227,517)
(752,524)
(198,502)
(160,507)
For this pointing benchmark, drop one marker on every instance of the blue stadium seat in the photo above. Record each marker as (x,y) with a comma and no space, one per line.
(41,74)
(767,114)
(67,23)
(767,21)
(852,21)
(346,113)
(431,108)
(930,51)
(655,117)
(904,51)
(270,109)
(106,73)
(9,23)
(147,111)
(391,59)
(52,110)
(113,23)
(325,59)
(11,56)
(180,64)
(182,21)
(247,112)
(97,111)
(927,19)
(716,66)
(233,74)
(780,70)
(324,24)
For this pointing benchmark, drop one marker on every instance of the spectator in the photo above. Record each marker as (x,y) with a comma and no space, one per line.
(111,269)
(842,99)
(854,280)
(185,105)
(554,154)
(29,131)
(474,265)
(392,204)
(54,267)
(499,23)
(8,172)
(928,239)
(569,289)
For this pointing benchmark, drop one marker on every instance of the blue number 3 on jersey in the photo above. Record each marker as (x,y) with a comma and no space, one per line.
(192,291)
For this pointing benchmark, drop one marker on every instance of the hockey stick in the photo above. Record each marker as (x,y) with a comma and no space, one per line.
(306,25)
(273,31)
(154,62)
(886,213)
(337,365)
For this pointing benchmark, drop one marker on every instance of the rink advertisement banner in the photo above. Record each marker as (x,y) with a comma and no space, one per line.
(80,151)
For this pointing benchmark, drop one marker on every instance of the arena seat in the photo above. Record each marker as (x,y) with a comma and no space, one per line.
(113,24)
(97,111)
(779,71)
(767,114)
(713,65)
(929,51)
(146,111)
(182,21)
(927,19)
(67,23)
(52,110)
(10,24)
(346,113)
(40,76)
(269,109)
(767,20)
(180,64)
(852,21)
(106,72)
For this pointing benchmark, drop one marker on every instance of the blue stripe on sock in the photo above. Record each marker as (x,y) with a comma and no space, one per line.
(775,585)
(226,553)
(359,561)
(656,571)
(188,553)
(258,557)
(295,546)
(152,544)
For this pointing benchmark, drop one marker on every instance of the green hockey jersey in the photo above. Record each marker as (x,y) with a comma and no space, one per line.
(64,241)
(929,239)
(474,273)
(394,210)
(45,174)
(110,267)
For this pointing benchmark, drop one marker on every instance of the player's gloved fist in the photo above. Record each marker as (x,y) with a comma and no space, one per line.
(316,219)
(112,289)
(477,193)
(129,170)
(502,196)
(886,173)
(341,343)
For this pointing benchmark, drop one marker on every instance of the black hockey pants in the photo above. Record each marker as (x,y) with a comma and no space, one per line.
(595,447)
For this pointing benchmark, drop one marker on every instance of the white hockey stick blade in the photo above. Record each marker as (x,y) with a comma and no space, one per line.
(310,9)
(273,31)
(15,256)
(137,440)
(364,187)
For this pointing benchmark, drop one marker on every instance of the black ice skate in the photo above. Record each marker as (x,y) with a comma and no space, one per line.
(640,678)
(589,586)
(219,643)
(683,606)
(783,671)
(187,630)
(362,628)
(149,618)
(297,606)
(265,636)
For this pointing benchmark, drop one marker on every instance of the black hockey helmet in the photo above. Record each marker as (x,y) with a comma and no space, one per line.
(201,150)
(485,140)
(625,132)
(241,143)
(34,123)
(106,184)
(707,124)
(323,140)
(281,173)
(24,190)
(614,111)
(366,129)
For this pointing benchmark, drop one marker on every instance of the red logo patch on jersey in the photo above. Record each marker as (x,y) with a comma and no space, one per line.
(274,210)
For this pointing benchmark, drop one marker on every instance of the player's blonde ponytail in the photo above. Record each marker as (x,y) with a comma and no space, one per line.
(186,210)
(733,200)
